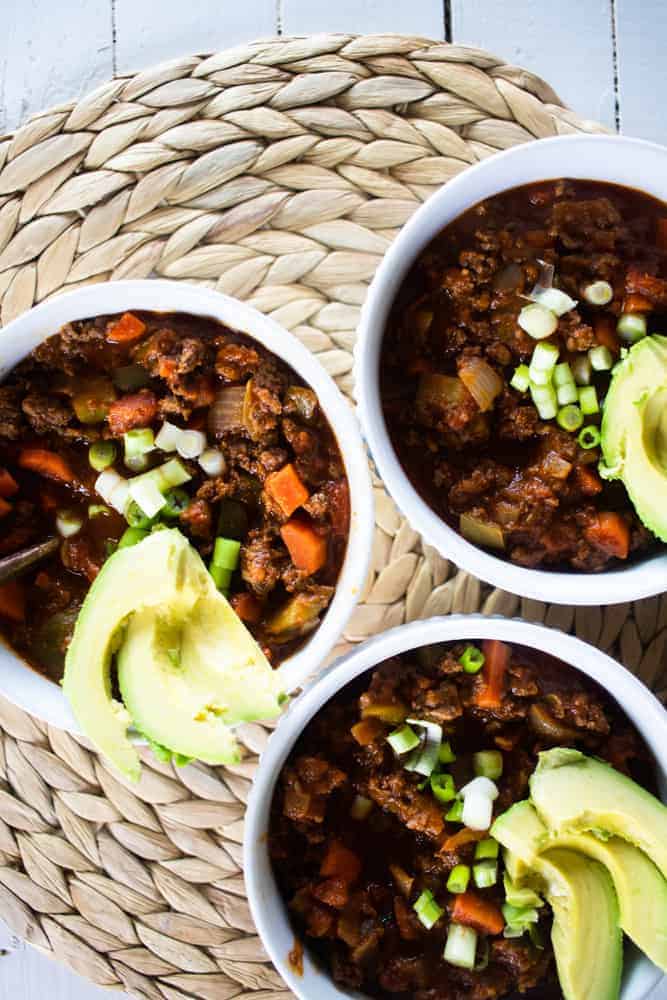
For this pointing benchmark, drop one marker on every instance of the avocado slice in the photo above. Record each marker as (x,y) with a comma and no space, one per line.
(572,793)
(640,888)
(150,598)
(586,936)
(634,430)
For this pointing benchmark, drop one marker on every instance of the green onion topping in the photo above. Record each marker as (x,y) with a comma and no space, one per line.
(601,358)
(101,455)
(487,848)
(455,814)
(472,659)
(631,327)
(445,754)
(588,400)
(458,879)
(461,946)
(589,437)
(599,293)
(403,740)
(521,379)
(485,874)
(488,764)
(442,786)
(570,417)
(131,536)
(427,909)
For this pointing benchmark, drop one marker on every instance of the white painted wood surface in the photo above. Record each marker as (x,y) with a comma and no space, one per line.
(604,57)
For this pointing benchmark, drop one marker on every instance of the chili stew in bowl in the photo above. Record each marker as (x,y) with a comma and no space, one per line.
(496,359)
(251,467)
(377,840)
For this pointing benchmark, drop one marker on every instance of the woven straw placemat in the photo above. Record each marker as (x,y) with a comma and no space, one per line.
(278,172)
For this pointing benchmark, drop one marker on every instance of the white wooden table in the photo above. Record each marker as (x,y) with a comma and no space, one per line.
(604,58)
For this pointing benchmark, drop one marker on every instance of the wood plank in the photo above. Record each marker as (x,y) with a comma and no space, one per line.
(151,31)
(570,47)
(641,33)
(411,17)
(47,57)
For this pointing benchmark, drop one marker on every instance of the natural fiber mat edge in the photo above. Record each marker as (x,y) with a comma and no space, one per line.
(279,172)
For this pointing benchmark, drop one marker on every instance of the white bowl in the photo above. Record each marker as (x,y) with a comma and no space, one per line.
(40,696)
(604,158)
(266,905)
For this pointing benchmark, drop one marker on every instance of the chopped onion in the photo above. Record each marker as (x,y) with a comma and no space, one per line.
(146,494)
(120,497)
(537,321)
(212,462)
(191,444)
(424,758)
(106,483)
(68,523)
(481,786)
(631,327)
(557,301)
(461,946)
(581,369)
(599,293)
(478,797)
(168,437)
(226,413)
(481,381)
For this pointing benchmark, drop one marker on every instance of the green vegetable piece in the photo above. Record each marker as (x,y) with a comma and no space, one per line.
(131,536)
(458,879)
(101,455)
(485,874)
(589,437)
(442,786)
(487,848)
(403,740)
(461,946)
(472,659)
(488,764)
(445,754)
(427,909)
(175,502)
(588,400)
(455,814)
(570,417)
(631,327)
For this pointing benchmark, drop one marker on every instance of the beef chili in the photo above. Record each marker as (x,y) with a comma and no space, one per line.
(370,852)
(109,398)
(492,401)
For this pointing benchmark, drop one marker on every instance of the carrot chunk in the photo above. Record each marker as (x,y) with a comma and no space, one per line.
(461,838)
(636,303)
(610,533)
(8,485)
(46,463)
(12,601)
(490,692)
(474,911)
(307,549)
(341,862)
(588,481)
(247,607)
(128,328)
(286,488)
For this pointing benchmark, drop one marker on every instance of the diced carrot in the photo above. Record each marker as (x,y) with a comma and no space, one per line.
(474,911)
(12,601)
(610,532)
(340,861)
(661,233)
(588,480)
(5,507)
(604,326)
(138,409)
(128,328)
(647,285)
(46,463)
(496,660)
(8,485)
(366,731)
(636,303)
(247,607)
(461,838)
(286,488)
(307,548)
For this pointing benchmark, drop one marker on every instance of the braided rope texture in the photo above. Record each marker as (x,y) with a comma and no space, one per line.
(278,172)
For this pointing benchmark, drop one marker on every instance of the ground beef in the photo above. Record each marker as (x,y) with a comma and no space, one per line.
(262,559)
(46,413)
(11,416)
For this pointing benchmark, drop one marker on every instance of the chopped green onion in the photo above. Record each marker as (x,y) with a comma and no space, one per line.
(570,417)
(521,379)
(212,462)
(631,327)
(458,879)
(191,444)
(428,910)
(538,321)
(361,807)
(403,740)
(101,455)
(138,442)
(424,760)
(455,814)
(172,473)
(544,398)
(442,786)
(601,358)
(98,509)
(146,493)
(487,848)
(135,516)
(68,523)
(445,754)
(461,946)
(563,374)
(488,764)
(176,501)
(581,369)
(544,358)
(520,896)
(557,301)
(566,394)
(226,553)
(131,536)
(472,659)
(599,293)
(137,463)
(518,919)
(485,874)
(589,437)
(588,400)
(221,577)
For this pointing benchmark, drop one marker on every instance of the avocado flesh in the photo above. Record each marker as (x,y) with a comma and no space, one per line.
(159,575)
(574,793)
(184,681)
(634,430)
(640,888)
(586,936)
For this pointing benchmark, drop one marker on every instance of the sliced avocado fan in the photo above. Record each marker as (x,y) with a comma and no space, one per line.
(181,688)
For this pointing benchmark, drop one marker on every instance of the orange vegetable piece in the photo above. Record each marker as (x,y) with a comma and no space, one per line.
(610,533)
(340,862)
(367,731)
(5,507)
(604,326)
(588,480)
(286,488)
(307,548)
(8,485)
(46,463)
(461,838)
(474,911)
(12,601)
(128,328)
(636,303)
(497,655)
(247,607)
